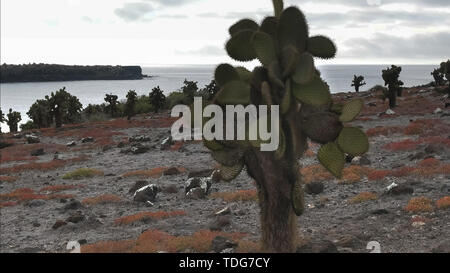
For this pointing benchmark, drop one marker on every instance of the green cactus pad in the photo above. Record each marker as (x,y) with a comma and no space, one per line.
(228,157)
(322,127)
(322,47)
(225,73)
(298,199)
(269,26)
(229,173)
(279,153)
(332,158)
(289,60)
(244,74)
(240,48)
(293,29)
(353,141)
(234,92)
(244,24)
(264,46)
(266,93)
(275,74)
(351,110)
(278,6)
(304,71)
(212,145)
(286,102)
(315,93)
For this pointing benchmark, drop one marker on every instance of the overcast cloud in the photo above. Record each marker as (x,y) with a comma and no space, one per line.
(194,31)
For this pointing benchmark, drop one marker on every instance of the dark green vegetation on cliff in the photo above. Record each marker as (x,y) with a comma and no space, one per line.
(53,72)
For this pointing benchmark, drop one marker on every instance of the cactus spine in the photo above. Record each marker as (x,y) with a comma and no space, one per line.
(289,78)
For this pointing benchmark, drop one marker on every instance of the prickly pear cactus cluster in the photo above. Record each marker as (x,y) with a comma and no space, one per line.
(391,79)
(287,77)
(445,69)
(357,82)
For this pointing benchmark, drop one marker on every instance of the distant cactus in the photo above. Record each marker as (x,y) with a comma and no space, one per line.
(210,90)
(289,78)
(189,89)
(445,69)
(357,82)
(438,77)
(112,104)
(40,114)
(13,119)
(157,99)
(64,107)
(130,104)
(390,77)
(2,119)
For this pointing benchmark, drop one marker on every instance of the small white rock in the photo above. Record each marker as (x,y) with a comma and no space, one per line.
(438,111)
(390,112)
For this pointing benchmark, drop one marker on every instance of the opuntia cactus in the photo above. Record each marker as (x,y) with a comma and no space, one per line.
(39,112)
(357,82)
(112,104)
(390,77)
(64,107)
(130,104)
(445,69)
(438,77)
(157,99)
(13,119)
(288,78)
(2,119)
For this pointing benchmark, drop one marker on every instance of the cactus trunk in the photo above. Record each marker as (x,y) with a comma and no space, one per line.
(392,98)
(275,180)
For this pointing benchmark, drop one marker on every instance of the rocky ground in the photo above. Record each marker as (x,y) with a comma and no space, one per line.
(42,208)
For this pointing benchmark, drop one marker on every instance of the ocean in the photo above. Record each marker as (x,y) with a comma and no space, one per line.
(20,96)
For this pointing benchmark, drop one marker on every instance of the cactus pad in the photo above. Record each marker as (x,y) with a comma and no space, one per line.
(225,73)
(304,71)
(234,92)
(264,46)
(351,110)
(240,48)
(322,47)
(353,141)
(322,127)
(244,24)
(316,92)
(293,29)
(229,173)
(332,158)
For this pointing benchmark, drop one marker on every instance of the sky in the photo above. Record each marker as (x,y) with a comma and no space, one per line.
(174,32)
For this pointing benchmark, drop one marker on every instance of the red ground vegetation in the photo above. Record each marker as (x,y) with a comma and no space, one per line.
(21,152)
(153,173)
(27,194)
(5,178)
(42,166)
(237,196)
(148,216)
(419,204)
(59,188)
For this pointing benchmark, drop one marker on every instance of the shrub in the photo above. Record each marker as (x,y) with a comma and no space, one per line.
(59,188)
(429,162)
(443,203)
(377,174)
(384,130)
(153,173)
(102,199)
(124,246)
(238,196)
(143,216)
(5,178)
(26,194)
(42,166)
(82,174)
(419,204)
(363,197)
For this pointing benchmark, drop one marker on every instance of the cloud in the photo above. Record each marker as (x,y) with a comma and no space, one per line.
(133,11)
(204,51)
(420,46)
(376,3)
